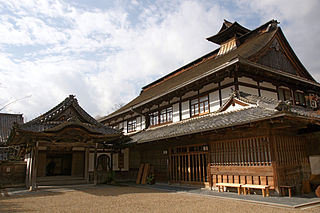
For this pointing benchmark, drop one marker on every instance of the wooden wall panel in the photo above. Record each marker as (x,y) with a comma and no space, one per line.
(77,164)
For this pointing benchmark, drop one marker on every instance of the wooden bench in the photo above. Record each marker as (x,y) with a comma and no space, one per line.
(289,188)
(235,185)
(264,189)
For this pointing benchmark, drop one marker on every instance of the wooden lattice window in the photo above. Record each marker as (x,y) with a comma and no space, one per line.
(166,115)
(285,94)
(199,105)
(132,125)
(154,118)
(299,98)
(161,117)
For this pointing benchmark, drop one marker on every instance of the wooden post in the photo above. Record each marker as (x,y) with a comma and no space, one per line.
(28,170)
(86,165)
(95,165)
(273,150)
(34,168)
(169,165)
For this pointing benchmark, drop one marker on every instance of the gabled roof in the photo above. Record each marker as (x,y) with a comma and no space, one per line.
(67,113)
(258,109)
(252,43)
(228,31)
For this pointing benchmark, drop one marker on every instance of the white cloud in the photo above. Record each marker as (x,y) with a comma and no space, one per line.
(50,49)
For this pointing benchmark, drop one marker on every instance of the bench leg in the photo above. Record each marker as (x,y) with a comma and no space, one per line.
(263,193)
(239,192)
(218,188)
(267,189)
(290,192)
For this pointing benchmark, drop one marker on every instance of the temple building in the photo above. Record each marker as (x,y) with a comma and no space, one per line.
(247,113)
(66,146)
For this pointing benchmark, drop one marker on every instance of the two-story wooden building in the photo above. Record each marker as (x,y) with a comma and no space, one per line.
(247,112)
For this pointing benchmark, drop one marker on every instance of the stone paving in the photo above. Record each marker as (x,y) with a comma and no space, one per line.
(293,202)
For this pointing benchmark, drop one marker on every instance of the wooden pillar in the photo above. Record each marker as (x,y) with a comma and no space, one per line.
(95,165)
(34,168)
(28,172)
(86,165)
(169,165)
(273,150)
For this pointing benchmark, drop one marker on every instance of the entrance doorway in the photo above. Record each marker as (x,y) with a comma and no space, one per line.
(58,164)
(188,164)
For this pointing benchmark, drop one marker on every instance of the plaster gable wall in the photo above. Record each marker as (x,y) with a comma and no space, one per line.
(234,108)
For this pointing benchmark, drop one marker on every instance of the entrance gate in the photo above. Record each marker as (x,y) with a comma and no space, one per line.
(188,164)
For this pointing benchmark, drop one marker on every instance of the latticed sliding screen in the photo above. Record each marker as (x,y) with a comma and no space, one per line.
(189,164)
(241,152)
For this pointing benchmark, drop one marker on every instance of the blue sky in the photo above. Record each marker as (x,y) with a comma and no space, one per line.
(105,51)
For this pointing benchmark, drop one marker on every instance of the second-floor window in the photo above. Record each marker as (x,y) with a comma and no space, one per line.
(284,94)
(161,117)
(199,105)
(299,98)
(132,125)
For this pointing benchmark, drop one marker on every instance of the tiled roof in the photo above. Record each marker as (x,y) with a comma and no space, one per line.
(248,48)
(260,108)
(48,120)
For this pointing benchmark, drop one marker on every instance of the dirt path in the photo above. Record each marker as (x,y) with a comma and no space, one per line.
(129,199)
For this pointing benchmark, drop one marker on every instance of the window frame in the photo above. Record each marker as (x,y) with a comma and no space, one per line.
(156,117)
(196,105)
(132,125)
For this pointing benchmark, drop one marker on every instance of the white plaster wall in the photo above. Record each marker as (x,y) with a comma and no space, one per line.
(175,99)
(269,94)
(189,94)
(225,94)
(121,125)
(185,110)
(226,81)
(125,127)
(267,85)
(138,123)
(143,122)
(164,103)
(145,110)
(208,87)
(154,107)
(247,80)
(127,116)
(214,101)
(176,112)
(233,108)
(249,90)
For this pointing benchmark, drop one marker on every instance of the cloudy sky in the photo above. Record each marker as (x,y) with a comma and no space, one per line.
(104,51)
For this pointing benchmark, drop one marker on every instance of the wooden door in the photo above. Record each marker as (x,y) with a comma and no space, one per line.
(78,163)
(188,164)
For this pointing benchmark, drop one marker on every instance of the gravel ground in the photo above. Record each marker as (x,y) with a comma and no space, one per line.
(129,199)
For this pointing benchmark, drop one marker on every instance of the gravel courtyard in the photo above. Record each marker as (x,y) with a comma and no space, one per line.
(129,199)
